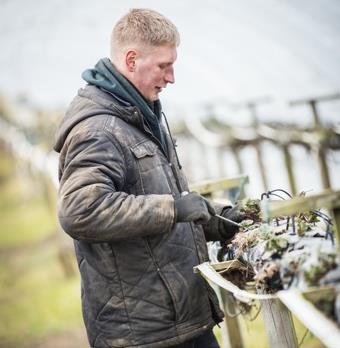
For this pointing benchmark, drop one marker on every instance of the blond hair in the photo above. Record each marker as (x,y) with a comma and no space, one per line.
(143,27)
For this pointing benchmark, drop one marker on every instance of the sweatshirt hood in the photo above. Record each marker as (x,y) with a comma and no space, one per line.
(89,101)
(108,90)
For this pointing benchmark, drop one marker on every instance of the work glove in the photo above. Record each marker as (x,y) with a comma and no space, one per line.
(193,208)
(225,228)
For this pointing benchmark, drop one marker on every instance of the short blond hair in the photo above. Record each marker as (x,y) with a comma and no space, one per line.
(141,26)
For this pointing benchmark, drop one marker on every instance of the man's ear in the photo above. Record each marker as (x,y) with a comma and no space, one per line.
(130,60)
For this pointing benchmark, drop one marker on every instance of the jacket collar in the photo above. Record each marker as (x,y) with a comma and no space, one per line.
(104,98)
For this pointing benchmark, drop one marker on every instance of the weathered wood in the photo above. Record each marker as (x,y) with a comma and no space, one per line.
(316,117)
(289,168)
(320,150)
(252,106)
(324,172)
(234,337)
(222,168)
(237,157)
(316,294)
(227,265)
(281,135)
(312,318)
(312,102)
(336,219)
(209,273)
(277,317)
(209,186)
(322,98)
(229,328)
(278,324)
(261,166)
(37,160)
(327,199)
(204,135)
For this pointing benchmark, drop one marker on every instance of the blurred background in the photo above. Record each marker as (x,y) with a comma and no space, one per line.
(257,93)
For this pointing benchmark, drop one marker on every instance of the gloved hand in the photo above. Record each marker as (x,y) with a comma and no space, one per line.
(225,228)
(193,207)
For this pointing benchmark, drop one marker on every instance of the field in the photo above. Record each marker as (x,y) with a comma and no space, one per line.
(40,304)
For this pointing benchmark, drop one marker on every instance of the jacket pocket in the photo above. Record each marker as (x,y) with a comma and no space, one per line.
(150,167)
(142,150)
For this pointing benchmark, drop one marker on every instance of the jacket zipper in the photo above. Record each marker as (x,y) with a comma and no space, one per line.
(180,189)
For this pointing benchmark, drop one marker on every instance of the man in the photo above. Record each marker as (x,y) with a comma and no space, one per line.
(137,236)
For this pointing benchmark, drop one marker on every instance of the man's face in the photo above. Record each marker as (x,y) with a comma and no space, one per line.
(154,70)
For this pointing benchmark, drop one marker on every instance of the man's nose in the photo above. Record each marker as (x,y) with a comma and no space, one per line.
(170,75)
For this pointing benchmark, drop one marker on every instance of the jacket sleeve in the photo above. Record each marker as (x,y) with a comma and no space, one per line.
(92,206)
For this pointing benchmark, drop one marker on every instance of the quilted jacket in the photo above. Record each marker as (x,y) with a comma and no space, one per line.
(116,200)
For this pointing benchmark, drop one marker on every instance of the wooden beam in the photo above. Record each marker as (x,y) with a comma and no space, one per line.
(230,265)
(209,186)
(316,294)
(209,273)
(327,199)
(322,327)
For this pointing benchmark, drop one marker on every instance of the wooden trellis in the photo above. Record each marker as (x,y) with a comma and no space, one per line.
(221,136)
(41,166)
(277,308)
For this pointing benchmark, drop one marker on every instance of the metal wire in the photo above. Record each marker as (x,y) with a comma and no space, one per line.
(318,213)
(273,193)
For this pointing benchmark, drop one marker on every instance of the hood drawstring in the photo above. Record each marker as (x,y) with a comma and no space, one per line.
(172,140)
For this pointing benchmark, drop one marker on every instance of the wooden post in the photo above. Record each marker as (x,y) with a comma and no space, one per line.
(229,291)
(262,168)
(316,118)
(258,151)
(276,307)
(289,167)
(233,331)
(320,150)
(336,219)
(321,156)
(237,156)
(221,163)
(65,247)
(278,324)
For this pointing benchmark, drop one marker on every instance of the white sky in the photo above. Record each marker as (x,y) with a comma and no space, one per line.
(230,50)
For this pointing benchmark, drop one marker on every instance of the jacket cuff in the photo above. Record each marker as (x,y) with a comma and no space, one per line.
(211,229)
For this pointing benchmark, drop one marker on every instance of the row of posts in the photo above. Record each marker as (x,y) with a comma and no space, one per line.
(318,138)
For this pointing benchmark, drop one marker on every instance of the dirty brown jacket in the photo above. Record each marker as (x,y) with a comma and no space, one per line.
(116,199)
